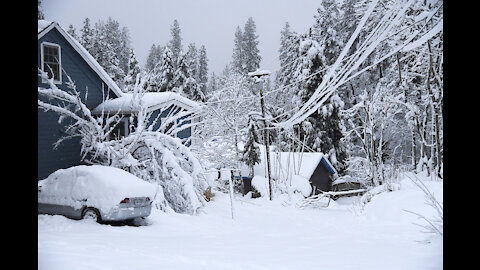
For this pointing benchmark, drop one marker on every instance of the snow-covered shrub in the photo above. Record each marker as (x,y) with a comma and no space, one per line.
(161,159)
(260,184)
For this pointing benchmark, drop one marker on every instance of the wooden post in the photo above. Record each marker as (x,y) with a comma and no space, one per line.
(265,140)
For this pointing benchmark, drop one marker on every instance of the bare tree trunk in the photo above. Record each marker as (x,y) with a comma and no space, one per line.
(399,71)
(435,113)
(414,150)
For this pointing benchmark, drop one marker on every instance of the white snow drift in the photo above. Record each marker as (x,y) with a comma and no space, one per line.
(264,235)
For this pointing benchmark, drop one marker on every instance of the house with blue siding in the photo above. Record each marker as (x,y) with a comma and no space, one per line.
(60,55)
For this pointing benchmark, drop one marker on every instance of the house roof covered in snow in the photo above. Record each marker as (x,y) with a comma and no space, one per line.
(151,101)
(45,26)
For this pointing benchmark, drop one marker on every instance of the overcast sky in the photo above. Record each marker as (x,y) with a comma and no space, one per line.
(204,22)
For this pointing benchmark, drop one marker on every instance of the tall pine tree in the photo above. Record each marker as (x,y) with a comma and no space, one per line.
(246,55)
(175,44)
(133,71)
(251,52)
(238,54)
(202,70)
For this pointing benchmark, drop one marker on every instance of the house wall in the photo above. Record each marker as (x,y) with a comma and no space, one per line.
(49,130)
(320,178)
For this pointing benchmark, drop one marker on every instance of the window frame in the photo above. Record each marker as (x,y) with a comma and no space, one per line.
(42,46)
(125,121)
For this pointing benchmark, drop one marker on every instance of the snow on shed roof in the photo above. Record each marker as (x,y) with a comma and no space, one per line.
(152,101)
(285,163)
(45,26)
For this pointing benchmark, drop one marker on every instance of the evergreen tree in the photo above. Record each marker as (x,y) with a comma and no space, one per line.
(238,64)
(133,71)
(322,130)
(202,70)
(251,152)
(40,16)
(154,57)
(286,96)
(251,52)
(184,82)
(109,45)
(162,78)
(119,40)
(71,31)
(212,84)
(192,59)
(104,53)
(325,31)
(87,36)
(289,43)
(175,44)
(196,92)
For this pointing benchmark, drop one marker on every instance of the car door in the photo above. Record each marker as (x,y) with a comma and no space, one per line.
(55,194)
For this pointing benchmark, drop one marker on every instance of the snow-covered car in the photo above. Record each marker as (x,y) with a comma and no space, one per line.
(96,192)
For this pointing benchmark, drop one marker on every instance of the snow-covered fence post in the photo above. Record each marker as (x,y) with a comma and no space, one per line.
(230,183)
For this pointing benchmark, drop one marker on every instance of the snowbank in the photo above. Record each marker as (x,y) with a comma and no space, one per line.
(301,184)
(103,187)
(260,183)
(391,206)
(264,235)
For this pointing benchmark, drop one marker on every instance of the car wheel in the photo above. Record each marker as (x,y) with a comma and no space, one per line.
(91,214)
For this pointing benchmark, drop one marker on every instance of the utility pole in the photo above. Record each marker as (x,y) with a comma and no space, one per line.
(258,79)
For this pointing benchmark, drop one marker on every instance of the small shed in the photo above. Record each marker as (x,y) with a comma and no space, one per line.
(306,172)
(321,178)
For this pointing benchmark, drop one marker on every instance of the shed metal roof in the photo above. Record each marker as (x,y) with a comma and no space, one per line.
(327,165)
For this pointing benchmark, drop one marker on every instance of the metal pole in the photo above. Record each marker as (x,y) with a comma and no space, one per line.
(265,139)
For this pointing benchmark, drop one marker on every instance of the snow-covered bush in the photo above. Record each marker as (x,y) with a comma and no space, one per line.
(151,156)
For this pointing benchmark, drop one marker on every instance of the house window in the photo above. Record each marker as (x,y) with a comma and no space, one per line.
(120,130)
(51,61)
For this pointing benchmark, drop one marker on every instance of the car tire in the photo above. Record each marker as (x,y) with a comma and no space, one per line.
(91,213)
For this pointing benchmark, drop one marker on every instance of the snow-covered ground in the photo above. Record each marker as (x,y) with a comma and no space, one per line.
(264,235)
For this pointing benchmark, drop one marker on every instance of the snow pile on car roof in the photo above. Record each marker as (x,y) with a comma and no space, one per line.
(103,187)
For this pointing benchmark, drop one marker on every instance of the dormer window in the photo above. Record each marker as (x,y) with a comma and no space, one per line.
(51,61)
